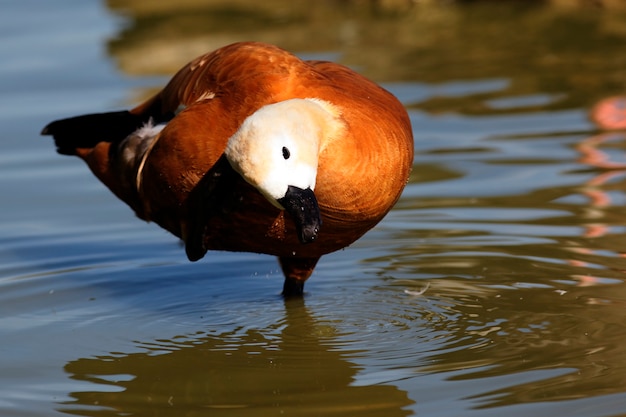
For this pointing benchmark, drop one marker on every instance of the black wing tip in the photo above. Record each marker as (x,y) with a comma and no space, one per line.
(52,128)
(86,131)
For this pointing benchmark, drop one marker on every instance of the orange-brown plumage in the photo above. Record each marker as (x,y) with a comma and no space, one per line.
(186,184)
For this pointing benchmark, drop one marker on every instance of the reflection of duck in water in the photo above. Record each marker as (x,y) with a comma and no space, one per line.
(610,113)
(243,134)
(293,366)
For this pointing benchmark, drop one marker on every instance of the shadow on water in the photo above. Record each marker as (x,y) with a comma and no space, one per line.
(291,367)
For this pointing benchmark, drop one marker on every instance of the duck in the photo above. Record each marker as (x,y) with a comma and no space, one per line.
(249,148)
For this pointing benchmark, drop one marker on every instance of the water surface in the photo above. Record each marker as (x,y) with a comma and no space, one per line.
(495,287)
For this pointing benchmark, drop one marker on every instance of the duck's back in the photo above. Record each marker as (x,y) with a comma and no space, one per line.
(183,182)
(360,176)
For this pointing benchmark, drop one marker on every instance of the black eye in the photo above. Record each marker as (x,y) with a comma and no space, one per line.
(286,153)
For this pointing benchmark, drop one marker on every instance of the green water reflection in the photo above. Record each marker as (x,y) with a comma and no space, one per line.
(292,368)
(574,54)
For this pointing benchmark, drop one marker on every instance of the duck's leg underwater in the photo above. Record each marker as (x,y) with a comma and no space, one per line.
(296,271)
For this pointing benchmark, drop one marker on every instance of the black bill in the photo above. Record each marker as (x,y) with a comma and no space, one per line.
(303,208)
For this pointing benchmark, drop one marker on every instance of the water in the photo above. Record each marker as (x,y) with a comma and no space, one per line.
(496,285)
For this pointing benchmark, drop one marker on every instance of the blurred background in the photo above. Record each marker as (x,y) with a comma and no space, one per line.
(495,286)
(569,47)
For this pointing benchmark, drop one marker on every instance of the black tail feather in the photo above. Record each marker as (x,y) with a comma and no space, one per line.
(88,130)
